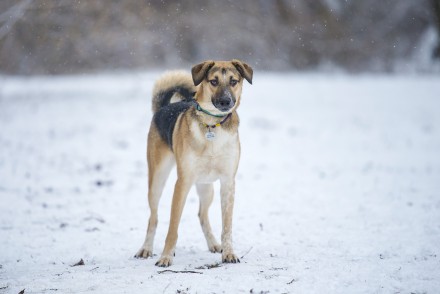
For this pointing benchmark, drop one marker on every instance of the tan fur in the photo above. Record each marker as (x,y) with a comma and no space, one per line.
(198,161)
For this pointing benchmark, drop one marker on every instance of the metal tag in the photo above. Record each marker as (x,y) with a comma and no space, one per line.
(210,136)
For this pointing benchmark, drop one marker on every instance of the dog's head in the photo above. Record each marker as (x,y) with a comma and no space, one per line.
(220,83)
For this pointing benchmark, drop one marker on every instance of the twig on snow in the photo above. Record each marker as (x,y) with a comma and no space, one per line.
(166,287)
(179,272)
(81,262)
(209,266)
(247,252)
(293,280)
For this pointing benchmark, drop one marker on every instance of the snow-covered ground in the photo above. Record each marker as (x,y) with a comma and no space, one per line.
(338,189)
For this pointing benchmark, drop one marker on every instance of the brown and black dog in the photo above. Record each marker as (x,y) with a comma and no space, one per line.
(195,127)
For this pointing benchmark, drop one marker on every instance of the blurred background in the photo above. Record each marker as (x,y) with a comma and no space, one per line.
(66,36)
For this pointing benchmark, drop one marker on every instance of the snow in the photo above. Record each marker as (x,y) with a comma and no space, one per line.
(337,189)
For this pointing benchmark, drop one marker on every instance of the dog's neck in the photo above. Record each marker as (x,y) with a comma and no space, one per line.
(209,112)
(206,118)
(209,120)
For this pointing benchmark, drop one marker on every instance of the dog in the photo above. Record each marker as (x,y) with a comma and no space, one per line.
(195,128)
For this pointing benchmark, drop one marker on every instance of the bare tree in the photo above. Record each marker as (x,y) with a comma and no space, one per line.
(11,16)
(436,6)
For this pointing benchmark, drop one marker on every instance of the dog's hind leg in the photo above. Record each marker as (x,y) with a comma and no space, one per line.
(206,195)
(160,163)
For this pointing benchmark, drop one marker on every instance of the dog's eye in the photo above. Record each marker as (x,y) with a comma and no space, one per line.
(214,82)
(233,82)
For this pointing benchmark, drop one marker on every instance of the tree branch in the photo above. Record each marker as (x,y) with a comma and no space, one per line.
(11,16)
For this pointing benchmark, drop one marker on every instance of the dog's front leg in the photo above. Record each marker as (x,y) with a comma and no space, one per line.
(227,192)
(181,190)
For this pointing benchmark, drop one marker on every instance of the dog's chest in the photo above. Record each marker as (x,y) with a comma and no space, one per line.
(215,158)
(214,142)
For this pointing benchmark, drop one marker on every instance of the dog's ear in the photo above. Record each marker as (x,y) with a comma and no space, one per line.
(200,70)
(244,69)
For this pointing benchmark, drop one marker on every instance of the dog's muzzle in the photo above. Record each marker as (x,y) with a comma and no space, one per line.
(224,102)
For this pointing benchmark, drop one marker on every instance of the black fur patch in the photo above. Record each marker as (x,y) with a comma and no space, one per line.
(165,97)
(165,119)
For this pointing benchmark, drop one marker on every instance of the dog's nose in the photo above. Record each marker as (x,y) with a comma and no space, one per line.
(225,101)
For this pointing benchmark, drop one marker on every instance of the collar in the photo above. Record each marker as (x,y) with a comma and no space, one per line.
(199,108)
(217,124)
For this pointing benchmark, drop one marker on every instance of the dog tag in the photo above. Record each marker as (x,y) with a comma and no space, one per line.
(210,136)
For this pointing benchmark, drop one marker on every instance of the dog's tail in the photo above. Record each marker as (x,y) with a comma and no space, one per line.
(173,87)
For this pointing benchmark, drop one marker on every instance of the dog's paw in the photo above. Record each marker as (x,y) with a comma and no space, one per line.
(215,248)
(144,253)
(230,258)
(165,261)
